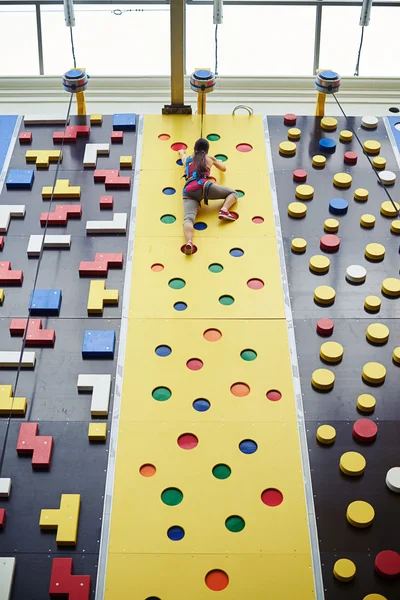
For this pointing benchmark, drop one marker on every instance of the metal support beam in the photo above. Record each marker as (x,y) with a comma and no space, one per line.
(317,37)
(39,39)
(177,32)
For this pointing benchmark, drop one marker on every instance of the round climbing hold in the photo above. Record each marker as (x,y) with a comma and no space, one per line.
(290,119)
(323,379)
(387,564)
(372,147)
(356,274)
(236,252)
(226,300)
(319,264)
(299,245)
(294,133)
(396,355)
(327,145)
(329,123)
(361,194)
(201,404)
(365,431)
(178,146)
(393,479)
(342,180)
(287,148)
(235,524)
(372,304)
(379,162)
(360,514)
(326,434)
(367,221)
(338,206)
(387,177)
(374,373)
(325,295)
(217,580)
(164,137)
(318,161)
(213,137)
(352,463)
(377,333)
(299,175)
(374,597)
(325,327)
(331,352)
(329,243)
(350,158)
(297,210)
(244,148)
(167,219)
(395,226)
(369,122)
(346,136)
(391,287)
(304,192)
(366,403)
(344,569)
(388,210)
(331,225)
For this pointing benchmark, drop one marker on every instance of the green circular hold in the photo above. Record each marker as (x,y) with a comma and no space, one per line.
(213,137)
(240,193)
(168,219)
(215,268)
(177,283)
(172,496)
(221,157)
(221,471)
(235,524)
(226,300)
(161,394)
(248,355)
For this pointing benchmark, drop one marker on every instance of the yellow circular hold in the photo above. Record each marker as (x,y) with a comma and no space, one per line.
(344,569)
(374,597)
(331,352)
(372,303)
(368,221)
(323,379)
(361,194)
(297,210)
(395,226)
(352,463)
(331,225)
(372,147)
(377,333)
(379,162)
(299,245)
(366,403)
(326,434)
(346,135)
(391,287)
(375,252)
(324,294)
(329,123)
(304,192)
(342,180)
(319,263)
(294,133)
(360,514)
(287,148)
(396,355)
(319,161)
(374,373)
(388,210)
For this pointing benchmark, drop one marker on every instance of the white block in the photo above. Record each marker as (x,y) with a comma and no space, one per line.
(42,120)
(117,225)
(7,568)
(393,479)
(51,241)
(100,386)
(5,487)
(91,152)
(11,359)
(7,211)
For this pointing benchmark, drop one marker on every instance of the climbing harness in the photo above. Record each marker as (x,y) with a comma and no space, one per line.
(205,182)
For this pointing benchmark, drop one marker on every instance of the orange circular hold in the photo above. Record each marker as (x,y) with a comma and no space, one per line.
(212,335)
(164,137)
(157,267)
(147,470)
(240,389)
(217,580)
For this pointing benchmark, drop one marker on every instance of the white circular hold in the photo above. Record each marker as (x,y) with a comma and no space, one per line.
(356,273)
(387,177)
(369,122)
(393,479)
(397,126)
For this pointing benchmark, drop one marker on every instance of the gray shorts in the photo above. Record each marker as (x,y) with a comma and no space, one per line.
(215,192)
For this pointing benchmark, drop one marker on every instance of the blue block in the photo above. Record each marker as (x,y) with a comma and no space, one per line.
(327,145)
(20,179)
(46,302)
(98,344)
(125,122)
(7,124)
(338,206)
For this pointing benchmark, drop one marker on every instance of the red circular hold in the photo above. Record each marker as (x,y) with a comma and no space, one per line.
(274,395)
(290,119)
(387,564)
(244,148)
(272,497)
(217,580)
(193,251)
(187,441)
(299,175)
(325,327)
(234,214)
(329,243)
(194,364)
(255,284)
(351,158)
(258,220)
(178,146)
(365,430)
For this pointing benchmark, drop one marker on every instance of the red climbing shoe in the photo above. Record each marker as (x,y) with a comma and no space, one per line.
(189,248)
(225,215)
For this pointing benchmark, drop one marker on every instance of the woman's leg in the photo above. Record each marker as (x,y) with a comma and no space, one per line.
(190,208)
(220,192)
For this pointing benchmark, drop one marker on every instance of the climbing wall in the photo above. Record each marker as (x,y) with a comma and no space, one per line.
(341,248)
(55,419)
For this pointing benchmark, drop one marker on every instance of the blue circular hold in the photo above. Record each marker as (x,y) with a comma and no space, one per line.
(328,75)
(248,446)
(163,350)
(200,226)
(236,252)
(179,162)
(201,405)
(180,306)
(176,533)
(202,74)
(327,145)
(76,73)
(169,191)
(338,206)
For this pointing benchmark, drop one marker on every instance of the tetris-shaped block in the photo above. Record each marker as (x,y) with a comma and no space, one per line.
(62,189)
(117,225)
(25,137)
(65,519)
(91,153)
(112,179)
(11,359)
(101,264)
(1,297)
(106,202)
(124,122)
(5,487)
(99,296)
(7,568)
(61,215)
(117,137)
(36,336)
(98,344)
(45,302)
(39,446)
(44,120)
(3,517)
(71,133)
(20,179)
(9,404)
(66,585)
(125,162)
(7,211)
(100,386)
(96,119)
(43,158)
(97,432)
(8,276)
(50,241)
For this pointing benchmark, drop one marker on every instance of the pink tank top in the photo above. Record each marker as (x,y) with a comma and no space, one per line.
(194,186)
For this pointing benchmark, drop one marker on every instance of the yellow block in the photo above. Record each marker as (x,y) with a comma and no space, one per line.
(331,352)
(304,192)
(374,373)
(323,379)
(97,432)
(299,245)
(294,133)
(374,597)
(99,295)
(329,123)
(372,303)
(10,405)
(288,148)
(352,463)
(324,294)
(96,119)
(379,162)
(367,221)
(297,210)
(395,226)
(43,158)
(366,403)
(62,189)
(346,135)
(344,569)
(125,161)
(372,147)
(2,295)
(375,252)
(396,355)
(388,210)
(391,287)
(342,180)
(378,333)
(65,519)
(360,514)
(319,263)
(331,225)
(319,161)
(326,434)
(361,194)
